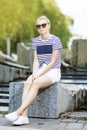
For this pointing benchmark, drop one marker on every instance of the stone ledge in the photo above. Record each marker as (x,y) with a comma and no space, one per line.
(45,105)
(50,102)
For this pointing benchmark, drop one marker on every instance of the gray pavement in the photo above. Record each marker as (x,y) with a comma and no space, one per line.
(68,121)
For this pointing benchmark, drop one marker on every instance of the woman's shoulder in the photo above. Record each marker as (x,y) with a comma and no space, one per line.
(55,37)
(35,39)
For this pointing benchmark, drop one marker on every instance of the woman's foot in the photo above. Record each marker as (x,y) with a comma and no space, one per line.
(21,121)
(12,116)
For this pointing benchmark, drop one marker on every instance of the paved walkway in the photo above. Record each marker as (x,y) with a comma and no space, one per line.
(70,121)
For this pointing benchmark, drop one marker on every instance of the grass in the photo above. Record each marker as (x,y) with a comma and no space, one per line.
(4,112)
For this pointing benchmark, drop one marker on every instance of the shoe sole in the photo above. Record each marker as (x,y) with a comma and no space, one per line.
(20,124)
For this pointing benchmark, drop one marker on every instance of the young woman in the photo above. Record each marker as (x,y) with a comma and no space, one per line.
(46,69)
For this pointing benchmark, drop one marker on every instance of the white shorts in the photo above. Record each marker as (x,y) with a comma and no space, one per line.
(54,74)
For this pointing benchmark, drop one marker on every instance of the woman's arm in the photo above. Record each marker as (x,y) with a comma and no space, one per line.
(35,64)
(35,68)
(52,63)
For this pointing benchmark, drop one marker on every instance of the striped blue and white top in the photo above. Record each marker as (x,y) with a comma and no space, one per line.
(45,48)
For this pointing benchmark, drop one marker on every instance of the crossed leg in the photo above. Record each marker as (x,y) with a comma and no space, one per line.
(30,92)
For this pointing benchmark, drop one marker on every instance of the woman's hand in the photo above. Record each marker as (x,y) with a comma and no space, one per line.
(35,76)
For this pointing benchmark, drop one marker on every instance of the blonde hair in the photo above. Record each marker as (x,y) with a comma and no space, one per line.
(43,17)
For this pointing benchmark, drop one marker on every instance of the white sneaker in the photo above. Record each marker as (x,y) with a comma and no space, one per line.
(12,116)
(21,121)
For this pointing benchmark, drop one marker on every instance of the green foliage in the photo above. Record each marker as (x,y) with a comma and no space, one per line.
(17,20)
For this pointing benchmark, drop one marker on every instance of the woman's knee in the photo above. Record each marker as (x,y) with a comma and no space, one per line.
(36,84)
(27,84)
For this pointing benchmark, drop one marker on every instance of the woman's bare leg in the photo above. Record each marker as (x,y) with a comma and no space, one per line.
(27,86)
(41,82)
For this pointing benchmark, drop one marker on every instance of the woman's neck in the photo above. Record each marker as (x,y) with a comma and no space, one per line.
(45,36)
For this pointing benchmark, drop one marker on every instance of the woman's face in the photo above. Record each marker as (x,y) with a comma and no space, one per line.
(42,26)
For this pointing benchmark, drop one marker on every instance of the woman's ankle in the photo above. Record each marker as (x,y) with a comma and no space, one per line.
(19,112)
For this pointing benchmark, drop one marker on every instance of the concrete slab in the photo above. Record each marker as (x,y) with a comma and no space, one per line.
(50,102)
(77,115)
(47,124)
(16,128)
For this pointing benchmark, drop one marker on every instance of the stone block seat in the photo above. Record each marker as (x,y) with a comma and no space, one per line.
(50,102)
(45,105)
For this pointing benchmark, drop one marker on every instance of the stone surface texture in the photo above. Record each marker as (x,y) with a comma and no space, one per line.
(50,102)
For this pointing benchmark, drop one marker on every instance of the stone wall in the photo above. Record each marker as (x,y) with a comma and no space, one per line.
(10,73)
(79,53)
(25,55)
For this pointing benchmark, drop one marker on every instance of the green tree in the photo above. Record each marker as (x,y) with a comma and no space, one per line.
(17,20)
